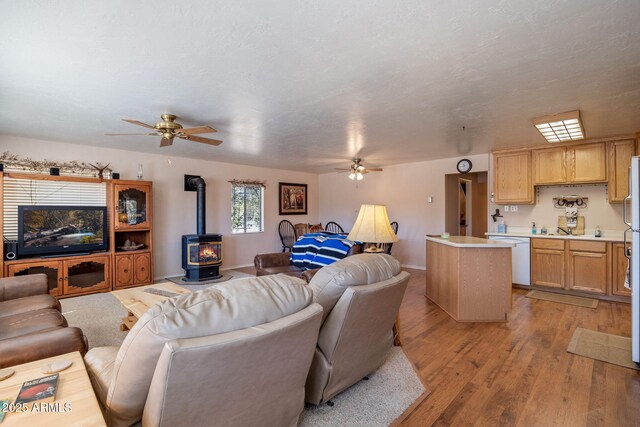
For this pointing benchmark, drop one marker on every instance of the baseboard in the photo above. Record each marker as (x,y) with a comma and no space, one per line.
(415,267)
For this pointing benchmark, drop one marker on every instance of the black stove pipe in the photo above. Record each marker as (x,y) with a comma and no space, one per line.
(201,187)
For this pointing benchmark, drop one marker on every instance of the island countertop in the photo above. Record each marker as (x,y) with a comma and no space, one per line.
(470,242)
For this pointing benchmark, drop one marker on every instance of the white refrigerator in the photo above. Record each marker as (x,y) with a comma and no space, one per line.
(632,219)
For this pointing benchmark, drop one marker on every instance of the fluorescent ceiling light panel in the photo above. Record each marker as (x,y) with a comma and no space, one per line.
(560,127)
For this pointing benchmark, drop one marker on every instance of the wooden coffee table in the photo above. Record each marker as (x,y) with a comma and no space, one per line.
(136,301)
(74,388)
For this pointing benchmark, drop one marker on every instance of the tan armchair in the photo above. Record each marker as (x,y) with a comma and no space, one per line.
(360,296)
(31,325)
(235,354)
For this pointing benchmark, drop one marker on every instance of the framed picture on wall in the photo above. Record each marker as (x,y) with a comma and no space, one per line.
(293,199)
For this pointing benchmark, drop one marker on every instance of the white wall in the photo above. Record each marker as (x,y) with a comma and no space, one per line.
(174,210)
(598,211)
(404,189)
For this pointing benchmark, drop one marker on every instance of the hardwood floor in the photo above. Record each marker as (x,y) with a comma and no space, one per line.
(516,373)
(519,372)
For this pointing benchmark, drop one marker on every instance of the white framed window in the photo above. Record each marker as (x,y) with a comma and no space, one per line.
(247,207)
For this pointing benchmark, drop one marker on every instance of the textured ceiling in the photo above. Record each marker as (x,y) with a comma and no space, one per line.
(307,85)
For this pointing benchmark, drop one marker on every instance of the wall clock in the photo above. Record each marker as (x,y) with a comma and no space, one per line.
(464,166)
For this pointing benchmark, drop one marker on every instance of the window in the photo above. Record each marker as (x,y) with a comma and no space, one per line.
(247,202)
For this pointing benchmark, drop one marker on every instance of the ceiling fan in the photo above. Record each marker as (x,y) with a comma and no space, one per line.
(357,170)
(168,129)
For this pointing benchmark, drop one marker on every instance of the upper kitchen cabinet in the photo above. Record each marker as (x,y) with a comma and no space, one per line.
(619,153)
(570,164)
(587,163)
(549,166)
(512,178)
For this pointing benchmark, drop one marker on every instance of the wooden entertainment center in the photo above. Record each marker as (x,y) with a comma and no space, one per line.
(129,219)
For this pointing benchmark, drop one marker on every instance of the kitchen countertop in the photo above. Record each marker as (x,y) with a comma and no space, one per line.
(469,242)
(604,238)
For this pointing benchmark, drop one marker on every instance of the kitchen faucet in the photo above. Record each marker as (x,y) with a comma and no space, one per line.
(567,231)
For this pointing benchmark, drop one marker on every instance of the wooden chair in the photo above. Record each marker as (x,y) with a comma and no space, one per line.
(301,229)
(314,228)
(387,246)
(333,227)
(287,235)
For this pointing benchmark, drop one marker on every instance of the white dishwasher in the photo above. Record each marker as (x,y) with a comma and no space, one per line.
(520,258)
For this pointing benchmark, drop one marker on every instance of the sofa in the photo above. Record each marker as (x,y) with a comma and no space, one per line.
(280,263)
(31,325)
(360,296)
(234,354)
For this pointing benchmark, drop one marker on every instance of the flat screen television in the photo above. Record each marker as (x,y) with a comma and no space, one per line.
(53,230)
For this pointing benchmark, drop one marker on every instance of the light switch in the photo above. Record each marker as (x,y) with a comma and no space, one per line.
(507,208)
(430,199)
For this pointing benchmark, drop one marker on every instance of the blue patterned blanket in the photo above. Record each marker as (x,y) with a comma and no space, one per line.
(315,250)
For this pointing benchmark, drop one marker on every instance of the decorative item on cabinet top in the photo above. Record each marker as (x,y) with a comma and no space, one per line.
(15,163)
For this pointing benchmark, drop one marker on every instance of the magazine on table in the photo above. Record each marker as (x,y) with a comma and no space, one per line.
(40,390)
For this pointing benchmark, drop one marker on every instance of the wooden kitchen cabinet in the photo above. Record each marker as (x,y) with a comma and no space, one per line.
(619,156)
(568,165)
(512,178)
(547,263)
(547,268)
(586,163)
(132,269)
(587,271)
(619,266)
(549,166)
(585,266)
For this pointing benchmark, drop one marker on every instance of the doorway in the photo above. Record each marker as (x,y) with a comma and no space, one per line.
(465,207)
(466,204)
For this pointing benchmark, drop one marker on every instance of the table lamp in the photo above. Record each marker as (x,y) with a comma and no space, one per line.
(372,226)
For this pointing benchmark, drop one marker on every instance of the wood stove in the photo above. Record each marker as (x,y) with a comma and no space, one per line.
(201,256)
(202,252)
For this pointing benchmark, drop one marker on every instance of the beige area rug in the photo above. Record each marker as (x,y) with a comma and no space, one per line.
(600,346)
(376,402)
(564,299)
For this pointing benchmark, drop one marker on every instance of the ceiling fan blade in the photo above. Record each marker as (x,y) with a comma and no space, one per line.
(135,122)
(374,169)
(118,134)
(199,129)
(165,142)
(201,139)
(342,169)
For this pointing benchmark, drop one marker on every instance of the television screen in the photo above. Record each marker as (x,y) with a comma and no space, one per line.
(61,229)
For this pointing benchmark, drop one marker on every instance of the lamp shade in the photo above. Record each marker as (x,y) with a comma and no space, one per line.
(372,226)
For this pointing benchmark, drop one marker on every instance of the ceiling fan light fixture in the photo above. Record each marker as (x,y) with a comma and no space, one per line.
(352,176)
(359,176)
(560,127)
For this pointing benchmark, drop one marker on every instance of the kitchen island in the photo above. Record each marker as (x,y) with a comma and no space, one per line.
(470,277)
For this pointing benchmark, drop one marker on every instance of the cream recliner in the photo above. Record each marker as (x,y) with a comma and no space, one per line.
(360,296)
(235,354)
